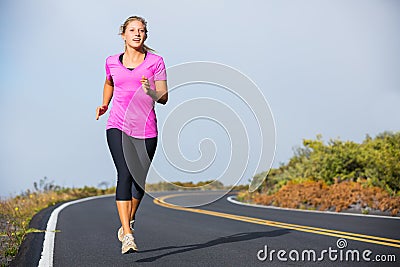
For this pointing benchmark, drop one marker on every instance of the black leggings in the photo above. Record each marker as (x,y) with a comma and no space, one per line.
(131,161)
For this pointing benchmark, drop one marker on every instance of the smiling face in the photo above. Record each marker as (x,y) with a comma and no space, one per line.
(135,34)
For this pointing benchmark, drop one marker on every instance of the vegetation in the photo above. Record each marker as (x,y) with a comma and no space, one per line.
(17,212)
(202,185)
(174,186)
(319,174)
(317,195)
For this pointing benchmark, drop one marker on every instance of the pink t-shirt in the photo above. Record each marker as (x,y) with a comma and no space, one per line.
(132,109)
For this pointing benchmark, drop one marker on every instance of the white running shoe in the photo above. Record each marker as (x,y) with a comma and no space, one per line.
(128,244)
(121,231)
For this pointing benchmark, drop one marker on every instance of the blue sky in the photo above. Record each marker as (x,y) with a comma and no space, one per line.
(325,67)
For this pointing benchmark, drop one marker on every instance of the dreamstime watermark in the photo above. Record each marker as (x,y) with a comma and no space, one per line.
(338,253)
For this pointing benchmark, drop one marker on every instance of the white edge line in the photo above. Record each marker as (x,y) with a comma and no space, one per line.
(46,259)
(234,201)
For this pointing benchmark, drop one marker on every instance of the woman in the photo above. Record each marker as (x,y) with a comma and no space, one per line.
(135,79)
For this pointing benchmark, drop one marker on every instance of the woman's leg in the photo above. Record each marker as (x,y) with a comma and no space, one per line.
(124,211)
(135,205)
(145,149)
(124,180)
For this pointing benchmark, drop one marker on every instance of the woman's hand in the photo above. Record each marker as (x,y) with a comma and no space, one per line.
(145,85)
(160,94)
(100,111)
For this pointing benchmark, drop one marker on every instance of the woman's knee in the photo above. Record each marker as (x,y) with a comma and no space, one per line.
(124,184)
(137,191)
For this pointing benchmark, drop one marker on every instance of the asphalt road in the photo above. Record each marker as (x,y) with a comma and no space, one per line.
(219,234)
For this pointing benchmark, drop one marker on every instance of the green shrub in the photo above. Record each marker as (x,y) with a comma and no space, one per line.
(375,159)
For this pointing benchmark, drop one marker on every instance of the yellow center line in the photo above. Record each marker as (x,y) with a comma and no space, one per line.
(309,229)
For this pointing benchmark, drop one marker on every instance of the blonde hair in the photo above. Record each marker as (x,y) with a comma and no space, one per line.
(122,29)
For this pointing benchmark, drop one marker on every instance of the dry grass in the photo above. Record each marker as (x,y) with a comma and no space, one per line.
(336,197)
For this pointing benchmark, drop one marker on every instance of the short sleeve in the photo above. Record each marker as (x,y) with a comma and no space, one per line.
(160,73)
(108,73)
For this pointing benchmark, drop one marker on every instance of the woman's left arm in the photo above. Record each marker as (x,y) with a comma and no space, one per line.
(160,95)
(161,92)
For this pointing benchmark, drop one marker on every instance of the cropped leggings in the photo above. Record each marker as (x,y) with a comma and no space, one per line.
(132,158)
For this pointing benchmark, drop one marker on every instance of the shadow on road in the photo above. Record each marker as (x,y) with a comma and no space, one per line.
(221,240)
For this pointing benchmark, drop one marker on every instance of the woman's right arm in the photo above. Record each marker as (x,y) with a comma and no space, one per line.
(107,95)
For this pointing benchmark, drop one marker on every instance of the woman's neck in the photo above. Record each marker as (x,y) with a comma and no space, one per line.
(133,54)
